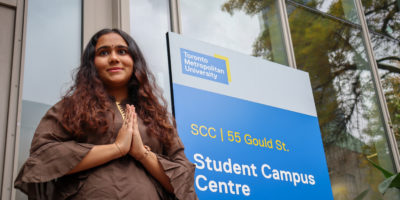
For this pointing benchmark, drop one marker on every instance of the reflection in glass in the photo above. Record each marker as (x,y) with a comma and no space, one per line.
(333,52)
(383,16)
(341,9)
(53,48)
(149,24)
(234,24)
(383,19)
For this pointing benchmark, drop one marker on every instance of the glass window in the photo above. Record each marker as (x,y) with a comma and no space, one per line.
(149,25)
(53,48)
(243,26)
(383,19)
(332,50)
(337,9)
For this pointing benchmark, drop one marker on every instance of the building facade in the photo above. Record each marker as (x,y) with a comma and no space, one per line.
(350,48)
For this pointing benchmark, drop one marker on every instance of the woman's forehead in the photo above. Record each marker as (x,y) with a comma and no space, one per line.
(111,40)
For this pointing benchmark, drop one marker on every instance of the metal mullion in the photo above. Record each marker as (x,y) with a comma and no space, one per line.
(175,16)
(287,38)
(378,86)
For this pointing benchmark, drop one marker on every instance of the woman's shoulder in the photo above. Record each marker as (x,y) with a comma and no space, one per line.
(54,113)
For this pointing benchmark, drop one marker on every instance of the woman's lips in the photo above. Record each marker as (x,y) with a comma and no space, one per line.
(114,69)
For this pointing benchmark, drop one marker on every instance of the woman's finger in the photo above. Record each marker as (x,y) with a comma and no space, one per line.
(127,114)
(131,112)
(135,119)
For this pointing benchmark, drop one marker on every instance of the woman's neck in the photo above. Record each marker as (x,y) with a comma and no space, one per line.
(118,93)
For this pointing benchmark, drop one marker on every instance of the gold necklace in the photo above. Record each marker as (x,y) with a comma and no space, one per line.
(120,109)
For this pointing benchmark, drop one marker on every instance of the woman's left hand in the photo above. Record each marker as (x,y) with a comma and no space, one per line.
(137,148)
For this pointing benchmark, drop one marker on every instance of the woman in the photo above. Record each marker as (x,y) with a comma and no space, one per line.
(109,137)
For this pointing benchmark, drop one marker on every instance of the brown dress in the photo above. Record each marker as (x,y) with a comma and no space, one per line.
(54,152)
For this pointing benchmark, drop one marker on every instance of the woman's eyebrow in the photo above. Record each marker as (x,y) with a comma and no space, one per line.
(122,47)
(108,47)
(102,47)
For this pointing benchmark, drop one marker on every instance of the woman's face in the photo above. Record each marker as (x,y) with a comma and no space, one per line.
(112,60)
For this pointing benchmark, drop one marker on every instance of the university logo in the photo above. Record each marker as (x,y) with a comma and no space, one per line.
(204,66)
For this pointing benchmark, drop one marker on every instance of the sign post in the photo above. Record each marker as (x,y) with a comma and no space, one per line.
(248,124)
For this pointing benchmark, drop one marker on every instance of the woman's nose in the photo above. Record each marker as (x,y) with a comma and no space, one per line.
(113,57)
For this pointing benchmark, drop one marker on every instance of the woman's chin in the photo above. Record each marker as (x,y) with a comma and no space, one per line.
(116,83)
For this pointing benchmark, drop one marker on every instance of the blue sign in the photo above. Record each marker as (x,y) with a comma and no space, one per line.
(254,137)
(245,149)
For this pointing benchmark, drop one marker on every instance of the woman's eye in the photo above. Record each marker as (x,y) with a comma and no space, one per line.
(103,53)
(122,51)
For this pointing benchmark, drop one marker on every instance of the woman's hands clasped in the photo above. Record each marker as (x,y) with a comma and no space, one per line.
(128,139)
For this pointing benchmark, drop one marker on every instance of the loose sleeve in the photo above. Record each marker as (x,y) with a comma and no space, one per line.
(179,170)
(53,153)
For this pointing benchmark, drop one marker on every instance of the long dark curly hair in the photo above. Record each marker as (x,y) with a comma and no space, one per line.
(87,103)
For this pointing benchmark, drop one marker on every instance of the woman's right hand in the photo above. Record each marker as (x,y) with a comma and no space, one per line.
(124,138)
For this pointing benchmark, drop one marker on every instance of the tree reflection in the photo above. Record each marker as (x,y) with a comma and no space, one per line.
(383,18)
(262,46)
(337,48)
(329,51)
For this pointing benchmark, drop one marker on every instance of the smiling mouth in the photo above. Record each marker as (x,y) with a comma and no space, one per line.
(114,69)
